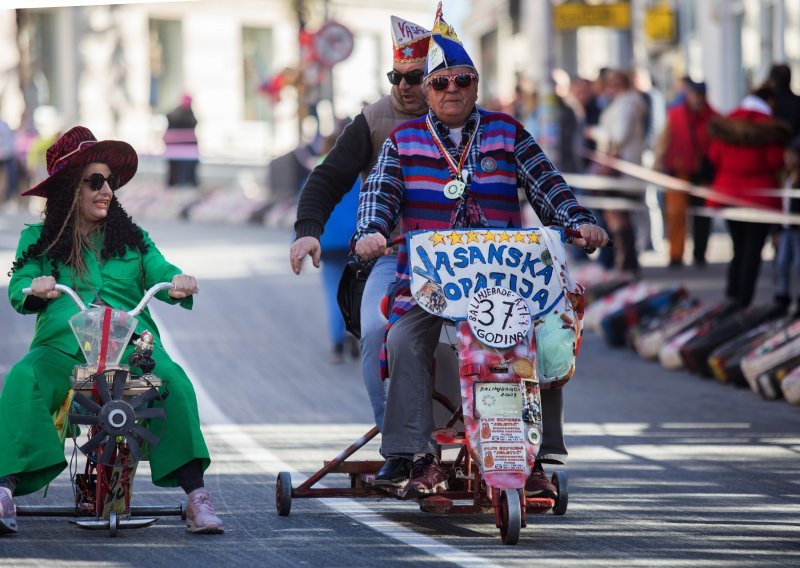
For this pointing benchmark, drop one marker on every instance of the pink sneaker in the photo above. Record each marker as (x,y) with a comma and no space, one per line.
(8,512)
(200,515)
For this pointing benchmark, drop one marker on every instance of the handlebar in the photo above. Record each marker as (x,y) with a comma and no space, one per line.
(66,290)
(149,296)
(134,312)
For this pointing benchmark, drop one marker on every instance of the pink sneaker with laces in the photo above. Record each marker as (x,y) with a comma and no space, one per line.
(201,518)
(8,512)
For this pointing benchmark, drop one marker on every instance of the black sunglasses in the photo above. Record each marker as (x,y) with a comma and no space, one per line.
(412,77)
(462,81)
(96,181)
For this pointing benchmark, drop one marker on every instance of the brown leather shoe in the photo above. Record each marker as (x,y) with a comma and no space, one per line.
(200,515)
(539,485)
(8,512)
(427,477)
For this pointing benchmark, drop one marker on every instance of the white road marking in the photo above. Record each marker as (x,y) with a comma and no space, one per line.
(212,415)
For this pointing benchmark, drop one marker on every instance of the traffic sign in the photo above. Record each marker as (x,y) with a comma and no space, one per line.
(333,43)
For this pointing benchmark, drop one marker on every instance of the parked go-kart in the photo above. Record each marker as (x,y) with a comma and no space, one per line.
(517,315)
(116,406)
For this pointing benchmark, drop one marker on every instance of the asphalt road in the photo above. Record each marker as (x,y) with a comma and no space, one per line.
(665,469)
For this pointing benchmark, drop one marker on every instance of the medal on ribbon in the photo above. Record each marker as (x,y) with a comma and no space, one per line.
(455,188)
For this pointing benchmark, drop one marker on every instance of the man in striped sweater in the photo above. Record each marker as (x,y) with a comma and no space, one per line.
(458,166)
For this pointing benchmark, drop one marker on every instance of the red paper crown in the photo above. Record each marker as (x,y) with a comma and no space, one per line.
(410,41)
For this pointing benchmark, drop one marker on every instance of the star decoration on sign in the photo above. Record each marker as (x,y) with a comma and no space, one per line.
(472,237)
(408,52)
(455,238)
(504,237)
(533,237)
(436,239)
(519,237)
(488,237)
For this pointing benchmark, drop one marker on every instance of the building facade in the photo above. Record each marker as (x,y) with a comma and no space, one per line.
(120,68)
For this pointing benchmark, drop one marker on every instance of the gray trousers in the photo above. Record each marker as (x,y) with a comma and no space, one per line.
(408,423)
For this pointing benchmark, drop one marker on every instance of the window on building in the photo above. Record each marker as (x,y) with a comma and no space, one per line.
(257,56)
(44,58)
(166,65)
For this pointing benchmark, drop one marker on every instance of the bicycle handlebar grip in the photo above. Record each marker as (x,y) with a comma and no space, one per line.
(575,234)
(66,290)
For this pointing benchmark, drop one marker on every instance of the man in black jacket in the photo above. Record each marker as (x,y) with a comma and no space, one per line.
(355,153)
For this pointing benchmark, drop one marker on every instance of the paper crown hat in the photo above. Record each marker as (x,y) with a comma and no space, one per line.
(410,41)
(445,48)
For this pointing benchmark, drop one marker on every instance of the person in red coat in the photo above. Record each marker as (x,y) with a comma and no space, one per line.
(681,152)
(747,153)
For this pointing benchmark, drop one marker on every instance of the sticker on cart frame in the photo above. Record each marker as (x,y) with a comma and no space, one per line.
(499,317)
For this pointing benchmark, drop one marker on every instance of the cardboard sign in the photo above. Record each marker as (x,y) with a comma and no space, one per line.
(498,400)
(448,267)
(499,317)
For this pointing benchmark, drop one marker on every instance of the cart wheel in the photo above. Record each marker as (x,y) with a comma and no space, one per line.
(283,493)
(511,515)
(113,524)
(183,509)
(559,479)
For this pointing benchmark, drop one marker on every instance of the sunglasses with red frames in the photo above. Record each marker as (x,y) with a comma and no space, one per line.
(96,181)
(462,81)
(412,77)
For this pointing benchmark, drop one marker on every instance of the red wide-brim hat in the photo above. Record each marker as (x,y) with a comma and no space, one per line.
(77,148)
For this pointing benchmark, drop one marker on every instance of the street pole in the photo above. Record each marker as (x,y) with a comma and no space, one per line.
(542,45)
(778,20)
(720,37)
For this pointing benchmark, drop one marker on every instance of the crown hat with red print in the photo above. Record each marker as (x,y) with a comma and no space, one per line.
(77,148)
(410,41)
(445,50)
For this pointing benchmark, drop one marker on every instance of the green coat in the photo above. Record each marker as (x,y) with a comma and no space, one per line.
(119,281)
(36,386)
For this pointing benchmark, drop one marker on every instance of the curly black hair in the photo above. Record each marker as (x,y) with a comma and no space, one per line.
(56,241)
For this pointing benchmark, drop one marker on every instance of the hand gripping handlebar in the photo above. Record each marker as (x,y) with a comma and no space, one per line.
(134,312)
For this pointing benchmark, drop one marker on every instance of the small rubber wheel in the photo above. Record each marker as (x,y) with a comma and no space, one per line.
(113,524)
(559,479)
(511,517)
(283,494)
(183,509)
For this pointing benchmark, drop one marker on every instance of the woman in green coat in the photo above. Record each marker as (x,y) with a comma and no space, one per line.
(89,243)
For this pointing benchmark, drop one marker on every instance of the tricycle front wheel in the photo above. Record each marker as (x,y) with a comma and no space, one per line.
(510,516)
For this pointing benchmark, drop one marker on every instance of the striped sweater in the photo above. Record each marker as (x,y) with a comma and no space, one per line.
(406,185)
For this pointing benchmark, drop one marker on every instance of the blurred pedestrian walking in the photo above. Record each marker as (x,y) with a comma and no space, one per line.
(335,244)
(787,258)
(787,104)
(181,145)
(621,134)
(682,152)
(8,163)
(747,153)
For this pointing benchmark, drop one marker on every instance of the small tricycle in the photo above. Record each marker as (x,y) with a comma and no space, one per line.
(116,406)
(514,306)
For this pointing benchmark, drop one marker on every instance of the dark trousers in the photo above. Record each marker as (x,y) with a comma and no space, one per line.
(408,423)
(701,231)
(748,240)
